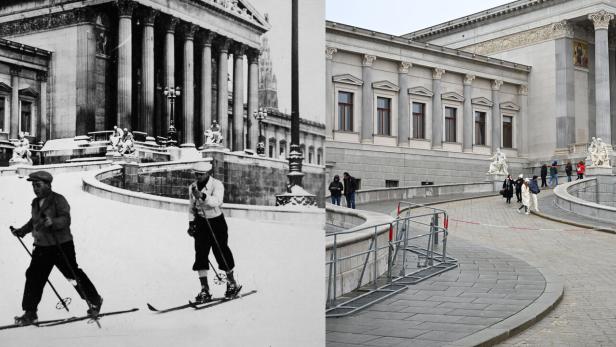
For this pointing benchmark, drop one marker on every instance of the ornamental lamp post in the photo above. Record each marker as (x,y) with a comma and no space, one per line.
(260,115)
(171,93)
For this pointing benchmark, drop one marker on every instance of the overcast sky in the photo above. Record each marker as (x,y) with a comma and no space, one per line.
(399,17)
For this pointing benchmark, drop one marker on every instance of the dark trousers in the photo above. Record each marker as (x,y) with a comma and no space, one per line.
(580,176)
(336,200)
(518,195)
(543,183)
(350,199)
(43,260)
(206,238)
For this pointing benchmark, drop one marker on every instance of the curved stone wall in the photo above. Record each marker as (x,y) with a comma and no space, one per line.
(593,197)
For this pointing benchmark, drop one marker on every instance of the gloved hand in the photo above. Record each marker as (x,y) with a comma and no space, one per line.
(16,232)
(192,229)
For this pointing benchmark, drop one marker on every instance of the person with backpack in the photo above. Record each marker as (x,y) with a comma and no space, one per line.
(350,185)
(554,174)
(534,190)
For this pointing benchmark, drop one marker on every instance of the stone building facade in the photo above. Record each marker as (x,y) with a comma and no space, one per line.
(539,76)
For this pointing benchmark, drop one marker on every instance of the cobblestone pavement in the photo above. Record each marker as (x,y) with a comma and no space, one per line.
(585,258)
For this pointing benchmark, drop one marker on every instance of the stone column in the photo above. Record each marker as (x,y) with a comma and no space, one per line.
(404,107)
(468,117)
(188,109)
(367,102)
(238,97)
(601,21)
(437,109)
(496,116)
(253,98)
(14,131)
(169,68)
(146,116)
(223,95)
(522,137)
(125,62)
(330,114)
(43,125)
(206,80)
(565,94)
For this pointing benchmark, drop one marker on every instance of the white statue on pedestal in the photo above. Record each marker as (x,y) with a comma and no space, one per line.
(599,153)
(213,135)
(498,166)
(21,153)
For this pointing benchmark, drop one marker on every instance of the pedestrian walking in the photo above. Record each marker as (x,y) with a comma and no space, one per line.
(554,174)
(580,169)
(568,170)
(350,185)
(335,190)
(508,188)
(525,197)
(518,187)
(544,175)
(207,225)
(53,246)
(533,186)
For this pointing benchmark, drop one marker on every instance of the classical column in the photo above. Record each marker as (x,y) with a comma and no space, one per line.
(169,68)
(223,95)
(367,102)
(206,79)
(330,114)
(146,116)
(253,98)
(125,62)
(14,71)
(238,97)
(565,93)
(188,109)
(523,121)
(43,125)
(437,109)
(468,117)
(601,21)
(404,107)
(496,116)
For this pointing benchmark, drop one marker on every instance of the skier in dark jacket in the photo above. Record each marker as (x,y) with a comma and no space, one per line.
(53,245)
(544,175)
(335,189)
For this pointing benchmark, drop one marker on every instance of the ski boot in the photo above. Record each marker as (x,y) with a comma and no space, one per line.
(95,309)
(29,317)
(232,287)
(203,296)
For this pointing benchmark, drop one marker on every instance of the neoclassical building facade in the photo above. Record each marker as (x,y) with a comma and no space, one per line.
(535,78)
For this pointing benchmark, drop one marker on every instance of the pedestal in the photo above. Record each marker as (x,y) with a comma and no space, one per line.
(297,197)
(598,171)
(497,180)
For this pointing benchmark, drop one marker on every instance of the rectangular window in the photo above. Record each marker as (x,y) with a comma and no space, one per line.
(480,128)
(383,116)
(2,115)
(507,132)
(419,117)
(26,117)
(357,183)
(450,124)
(272,146)
(345,111)
(391,183)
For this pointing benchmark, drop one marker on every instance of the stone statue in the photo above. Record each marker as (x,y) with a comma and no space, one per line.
(599,153)
(128,143)
(21,153)
(498,166)
(213,135)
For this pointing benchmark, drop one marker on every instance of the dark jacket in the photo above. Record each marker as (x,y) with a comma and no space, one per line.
(518,185)
(553,170)
(544,170)
(56,207)
(336,188)
(568,169)
(508,188)
(350,185)
(533,186)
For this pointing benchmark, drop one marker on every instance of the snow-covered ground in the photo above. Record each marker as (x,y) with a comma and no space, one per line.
(135,255)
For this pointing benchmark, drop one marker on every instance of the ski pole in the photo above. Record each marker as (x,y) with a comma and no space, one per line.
(48,281)
(215,272)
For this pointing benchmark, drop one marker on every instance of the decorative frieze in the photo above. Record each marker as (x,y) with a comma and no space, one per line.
(329,52)
(438,73)
(468,80)
(404,67)
(368,60)
(496,84)
(523,89)
(47,22)
(601,19)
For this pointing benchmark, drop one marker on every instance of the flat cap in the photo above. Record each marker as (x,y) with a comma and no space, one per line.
(202,166)
(40,176)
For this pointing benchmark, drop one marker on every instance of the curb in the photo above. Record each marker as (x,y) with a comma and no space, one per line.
(528,316)
(577,224)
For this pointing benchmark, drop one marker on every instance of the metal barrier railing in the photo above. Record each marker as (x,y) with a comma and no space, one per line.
(403,234)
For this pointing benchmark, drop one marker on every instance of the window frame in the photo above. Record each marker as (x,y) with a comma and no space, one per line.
(424,121)
(351,109)
(456,123)
(485,128)
(513,119)
(379,116)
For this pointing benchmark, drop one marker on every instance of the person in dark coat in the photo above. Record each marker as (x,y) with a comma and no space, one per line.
(518,187)
(350,185)
(544,175)
(53,246)
(335,189)
(508,188)
(568,170)
(554,174)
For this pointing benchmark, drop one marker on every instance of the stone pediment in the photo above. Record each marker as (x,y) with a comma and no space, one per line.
(481,101)
(348,79)
(509,106)
(5,88)
(385,85)
(31,92)
(421,91)
(452,96)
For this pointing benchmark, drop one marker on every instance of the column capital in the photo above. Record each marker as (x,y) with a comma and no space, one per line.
(438,73)
(329,52)
(468,79)
(496,84)
(239,50)
(172,24)
(41,76)
(253,55)
(601,19)
(206,37)
(224,44)
(189,31)
(523,89)
(14,70)
(149,16)
(368,60)
(404,67)
(126,7)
